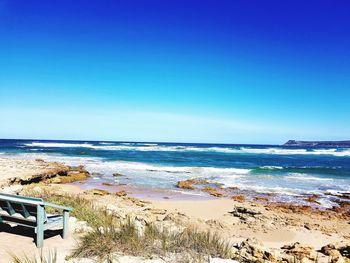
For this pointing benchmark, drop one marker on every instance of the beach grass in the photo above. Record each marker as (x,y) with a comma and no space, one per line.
(51,257)
(105,241)
(111,236)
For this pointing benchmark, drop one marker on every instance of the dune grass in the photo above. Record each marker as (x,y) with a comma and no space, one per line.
(105,241)
(50,258)
(112,236)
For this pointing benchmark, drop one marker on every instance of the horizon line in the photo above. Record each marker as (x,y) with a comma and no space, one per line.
(136,141)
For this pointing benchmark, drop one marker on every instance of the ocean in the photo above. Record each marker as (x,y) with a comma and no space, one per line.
(287,172)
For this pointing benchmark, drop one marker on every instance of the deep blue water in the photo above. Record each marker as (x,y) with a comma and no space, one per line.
(263,168)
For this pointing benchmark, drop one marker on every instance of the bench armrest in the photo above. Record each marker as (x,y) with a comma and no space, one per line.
(64,208)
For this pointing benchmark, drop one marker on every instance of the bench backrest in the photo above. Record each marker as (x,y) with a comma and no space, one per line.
(20,209)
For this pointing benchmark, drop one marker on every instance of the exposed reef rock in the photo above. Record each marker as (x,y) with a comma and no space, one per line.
(97,191)
(74,174)
(212,191)
(188,184)
(25,172)
(338,252)
(245,214)
(238,198)
(118,174)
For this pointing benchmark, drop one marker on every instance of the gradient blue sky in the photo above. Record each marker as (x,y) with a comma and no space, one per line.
(234,71)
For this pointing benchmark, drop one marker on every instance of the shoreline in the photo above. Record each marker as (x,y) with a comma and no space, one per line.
(142,192)
(247,186)
(275,224)
(24,171)
(158,194)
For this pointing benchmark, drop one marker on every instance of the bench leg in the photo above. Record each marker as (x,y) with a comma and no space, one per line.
(40,226)
(39,238)
(65,224)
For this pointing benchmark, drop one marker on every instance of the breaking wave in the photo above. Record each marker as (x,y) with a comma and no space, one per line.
(182,148)
(305,177)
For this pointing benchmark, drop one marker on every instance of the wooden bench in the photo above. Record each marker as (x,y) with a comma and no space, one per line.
(30,212)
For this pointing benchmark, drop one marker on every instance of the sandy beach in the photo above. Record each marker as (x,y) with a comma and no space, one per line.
(175,131)
(267,226)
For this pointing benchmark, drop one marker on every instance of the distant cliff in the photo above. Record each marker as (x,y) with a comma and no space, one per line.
(318,143)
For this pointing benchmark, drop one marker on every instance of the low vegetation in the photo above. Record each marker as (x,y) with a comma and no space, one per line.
(111,236)
(50,258)
(83,208)
(105,241)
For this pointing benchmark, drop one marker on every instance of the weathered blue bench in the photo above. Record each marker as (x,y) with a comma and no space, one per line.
(30,212)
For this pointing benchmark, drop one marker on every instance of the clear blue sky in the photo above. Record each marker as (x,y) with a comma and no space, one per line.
(234,71)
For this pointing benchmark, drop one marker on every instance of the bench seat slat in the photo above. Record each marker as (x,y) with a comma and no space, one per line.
(18,220)
(9,208)
(25,213)
(18,216)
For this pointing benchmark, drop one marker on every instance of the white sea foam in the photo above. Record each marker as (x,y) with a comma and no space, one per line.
(283,151)
(173,148)
(305,177)
(95,163)
(57,144)
(266,189)
(166,170)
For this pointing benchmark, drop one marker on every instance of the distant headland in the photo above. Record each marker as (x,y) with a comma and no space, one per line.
(318,143)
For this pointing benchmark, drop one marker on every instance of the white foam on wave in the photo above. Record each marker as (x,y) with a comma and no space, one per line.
(305,177)
(57,144)
(283,151)
(188,171)
(180,148)
(265,189)
(95,163)
(106,146)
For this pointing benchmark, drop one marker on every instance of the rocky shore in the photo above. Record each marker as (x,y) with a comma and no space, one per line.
(23,172)
(256,229)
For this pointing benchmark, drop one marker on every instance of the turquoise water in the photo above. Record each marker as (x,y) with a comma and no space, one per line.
(289,171)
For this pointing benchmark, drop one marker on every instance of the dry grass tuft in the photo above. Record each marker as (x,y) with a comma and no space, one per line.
(50,258)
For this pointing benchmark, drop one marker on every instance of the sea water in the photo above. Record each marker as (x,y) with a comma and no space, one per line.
(288,171)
